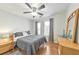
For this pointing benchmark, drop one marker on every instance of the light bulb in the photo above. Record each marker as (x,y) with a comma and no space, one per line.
(34,13)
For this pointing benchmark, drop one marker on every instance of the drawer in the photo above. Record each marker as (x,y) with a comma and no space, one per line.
(6,48)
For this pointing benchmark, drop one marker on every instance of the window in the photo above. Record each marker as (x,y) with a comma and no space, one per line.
(46,28)
(38,28)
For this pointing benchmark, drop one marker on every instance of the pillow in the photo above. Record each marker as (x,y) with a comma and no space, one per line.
(28,32)
(25,34)
(15,39)
(18,34)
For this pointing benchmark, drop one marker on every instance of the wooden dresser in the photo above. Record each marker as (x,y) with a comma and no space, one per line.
(67,47)
(70,44)
(6,44)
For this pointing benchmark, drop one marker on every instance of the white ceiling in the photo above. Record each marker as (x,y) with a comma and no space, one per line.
(19,8)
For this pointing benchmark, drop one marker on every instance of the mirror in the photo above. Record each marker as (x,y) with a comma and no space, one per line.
(72,27)
(78,32)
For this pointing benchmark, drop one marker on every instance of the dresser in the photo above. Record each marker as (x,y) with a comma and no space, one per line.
(6,44)
(69,45)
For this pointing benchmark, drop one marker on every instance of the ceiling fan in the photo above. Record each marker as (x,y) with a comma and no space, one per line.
(34,11)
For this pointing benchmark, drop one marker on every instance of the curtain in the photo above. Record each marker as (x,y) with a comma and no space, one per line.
(42,28)
(51,36)
(36,28)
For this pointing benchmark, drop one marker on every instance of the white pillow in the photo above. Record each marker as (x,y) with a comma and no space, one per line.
(25,34)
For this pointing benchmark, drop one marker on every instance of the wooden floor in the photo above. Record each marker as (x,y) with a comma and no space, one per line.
(49,49)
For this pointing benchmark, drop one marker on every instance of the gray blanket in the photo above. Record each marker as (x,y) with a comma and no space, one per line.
(30,44)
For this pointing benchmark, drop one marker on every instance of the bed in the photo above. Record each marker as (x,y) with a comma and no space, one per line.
(30,44)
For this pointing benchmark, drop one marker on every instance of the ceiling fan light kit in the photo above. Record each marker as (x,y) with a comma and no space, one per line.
(35,11)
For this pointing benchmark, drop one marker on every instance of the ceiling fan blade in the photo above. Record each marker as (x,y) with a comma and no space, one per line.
(41,7)
(40,13)
(28,5)
(27,12)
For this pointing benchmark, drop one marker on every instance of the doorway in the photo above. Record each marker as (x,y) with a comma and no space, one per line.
(38,28)
(46,29)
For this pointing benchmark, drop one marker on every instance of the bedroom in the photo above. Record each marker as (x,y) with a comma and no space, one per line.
(15,18)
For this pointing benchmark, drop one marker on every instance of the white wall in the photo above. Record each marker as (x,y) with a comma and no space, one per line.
(10,22)
(59,24)
(72,7)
